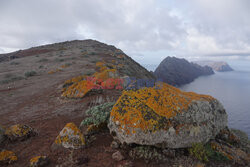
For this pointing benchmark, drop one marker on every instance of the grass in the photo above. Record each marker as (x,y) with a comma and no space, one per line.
(30,73)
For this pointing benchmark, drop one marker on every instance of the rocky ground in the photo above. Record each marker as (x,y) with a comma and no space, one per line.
(31,86)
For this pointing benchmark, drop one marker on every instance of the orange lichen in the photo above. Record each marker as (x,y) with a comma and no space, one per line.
(104,75)
(18,130)
(78,87)
(7,156)
(146,107)
(70,137)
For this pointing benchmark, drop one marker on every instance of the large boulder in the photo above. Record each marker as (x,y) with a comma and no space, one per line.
(165,116)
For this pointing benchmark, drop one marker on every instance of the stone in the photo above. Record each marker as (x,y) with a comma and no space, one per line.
(118,156)
(39,161)
(114,144)
(19,132)
(7,157)
(70,137)
(165,116)
(2,136)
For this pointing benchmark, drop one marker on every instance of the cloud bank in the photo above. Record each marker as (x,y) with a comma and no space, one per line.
(191,29)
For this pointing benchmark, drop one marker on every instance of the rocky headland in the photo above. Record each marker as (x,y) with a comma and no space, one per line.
(176,72)
(219,66)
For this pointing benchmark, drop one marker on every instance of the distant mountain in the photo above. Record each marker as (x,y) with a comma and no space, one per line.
(175,71)
(220,66)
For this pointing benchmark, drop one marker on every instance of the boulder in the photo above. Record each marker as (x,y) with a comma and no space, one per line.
(7,157)
(39,161)
(19,132)
(70,137)
(165,116)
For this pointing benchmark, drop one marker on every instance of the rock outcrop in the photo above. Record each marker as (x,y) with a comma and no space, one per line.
(165,116)
(219,66)
(70,137)
(175,71)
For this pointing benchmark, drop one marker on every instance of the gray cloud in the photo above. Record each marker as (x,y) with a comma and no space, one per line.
(193,28)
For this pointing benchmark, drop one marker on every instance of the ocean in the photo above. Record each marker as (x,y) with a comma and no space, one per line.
(232,89)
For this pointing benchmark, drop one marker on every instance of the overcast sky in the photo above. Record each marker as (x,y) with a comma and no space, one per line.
(146,30)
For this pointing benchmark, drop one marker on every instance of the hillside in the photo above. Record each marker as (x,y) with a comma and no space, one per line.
(31,83)
(175,71)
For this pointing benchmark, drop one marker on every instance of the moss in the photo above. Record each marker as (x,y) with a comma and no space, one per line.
(150,108)
(7,157)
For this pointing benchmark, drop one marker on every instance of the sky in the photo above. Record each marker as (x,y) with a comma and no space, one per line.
(146,30)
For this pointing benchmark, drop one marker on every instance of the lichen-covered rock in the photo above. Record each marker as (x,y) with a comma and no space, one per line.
(39,161)
(2,136)
(7,157)
(165,116)
(70,137)
(19,132)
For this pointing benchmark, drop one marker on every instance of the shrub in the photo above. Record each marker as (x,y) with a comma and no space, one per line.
(30,73)
(205,152)
(98,115)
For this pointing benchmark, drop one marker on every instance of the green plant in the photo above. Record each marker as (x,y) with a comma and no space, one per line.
(30,73)
(205,152)
(98,115)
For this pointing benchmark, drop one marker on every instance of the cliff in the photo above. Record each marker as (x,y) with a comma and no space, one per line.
(175,71)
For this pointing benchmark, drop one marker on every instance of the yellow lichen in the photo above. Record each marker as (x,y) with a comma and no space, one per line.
(18,130)
(7,156)
(70,137)
(146,107)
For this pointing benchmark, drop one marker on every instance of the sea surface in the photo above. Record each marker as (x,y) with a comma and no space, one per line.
(232,89)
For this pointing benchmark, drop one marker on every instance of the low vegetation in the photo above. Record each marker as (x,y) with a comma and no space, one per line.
(30,74)
(205,153)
